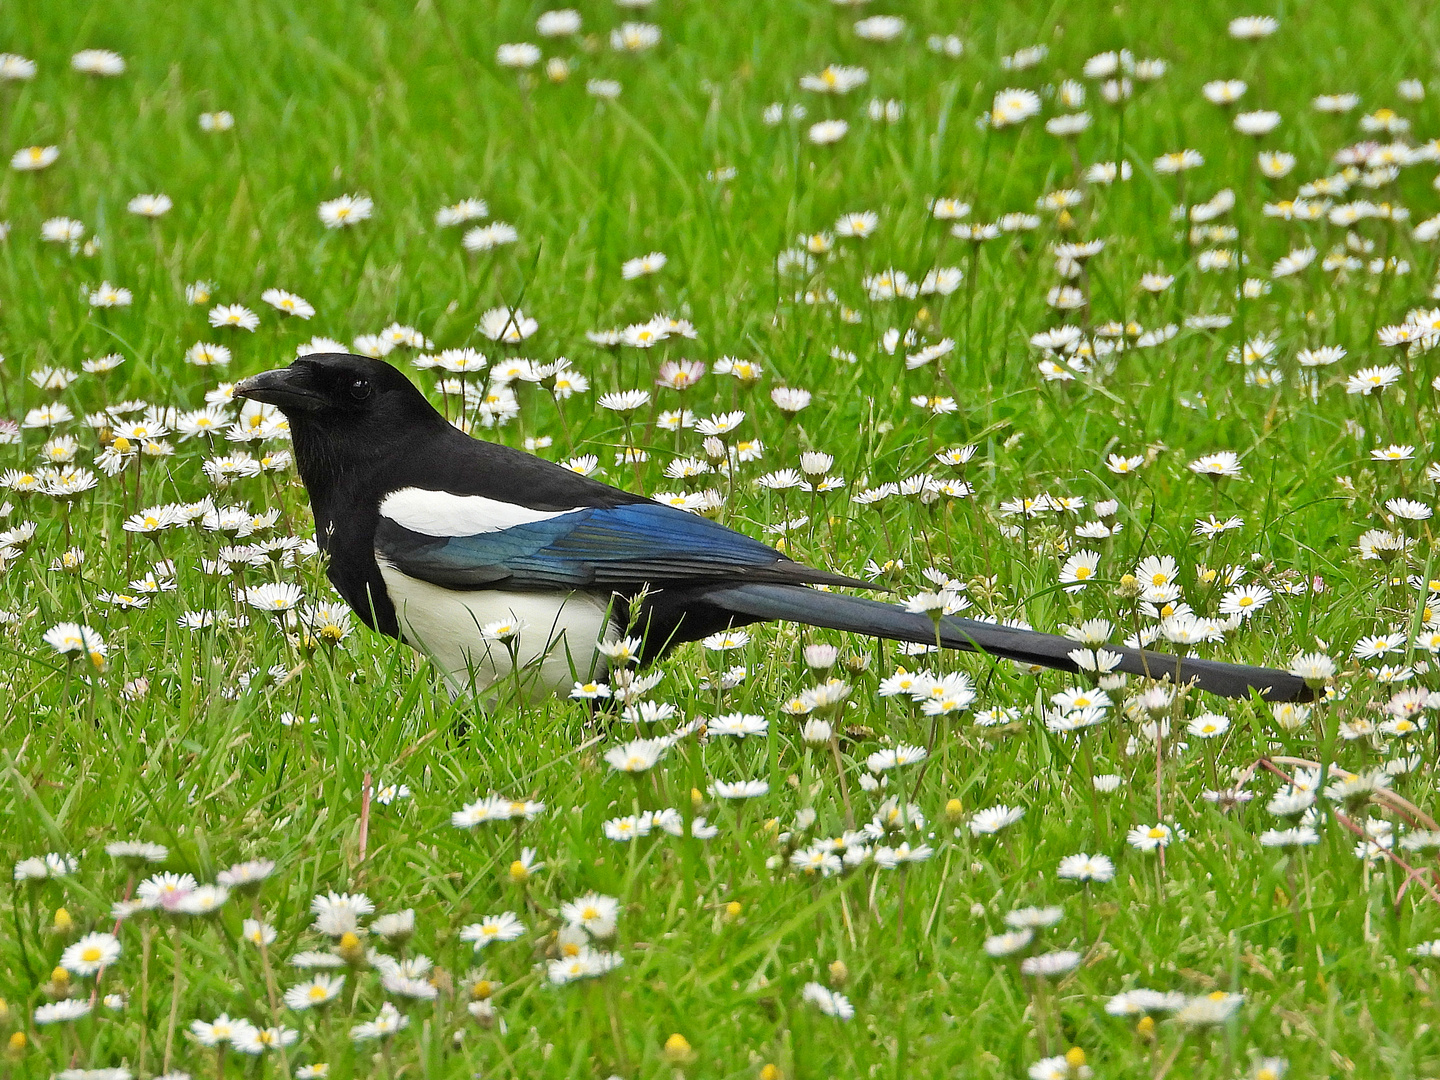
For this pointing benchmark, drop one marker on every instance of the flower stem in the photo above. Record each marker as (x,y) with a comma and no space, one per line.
(175,989)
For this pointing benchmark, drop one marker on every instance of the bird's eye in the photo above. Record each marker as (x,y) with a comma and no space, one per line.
(360,389)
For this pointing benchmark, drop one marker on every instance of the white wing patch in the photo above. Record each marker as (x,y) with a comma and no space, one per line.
(439,513)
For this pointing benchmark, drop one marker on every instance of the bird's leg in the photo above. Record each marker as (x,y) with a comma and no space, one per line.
(844,787)
(512,646)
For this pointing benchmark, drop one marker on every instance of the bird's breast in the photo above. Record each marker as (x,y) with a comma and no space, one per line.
(480,637)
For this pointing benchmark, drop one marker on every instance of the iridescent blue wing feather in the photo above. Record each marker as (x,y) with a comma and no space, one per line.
(615,547)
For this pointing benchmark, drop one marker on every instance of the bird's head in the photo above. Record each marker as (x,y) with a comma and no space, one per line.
(344,411)
(338,393)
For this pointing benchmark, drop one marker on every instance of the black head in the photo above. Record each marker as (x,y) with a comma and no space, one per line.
(340,394)
(348,415)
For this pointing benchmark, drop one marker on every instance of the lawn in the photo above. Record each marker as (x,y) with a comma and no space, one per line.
(1111,319)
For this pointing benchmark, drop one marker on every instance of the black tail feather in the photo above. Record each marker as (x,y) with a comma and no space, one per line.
(855,615)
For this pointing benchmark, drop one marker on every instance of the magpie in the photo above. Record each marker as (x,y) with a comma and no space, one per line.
(451,544)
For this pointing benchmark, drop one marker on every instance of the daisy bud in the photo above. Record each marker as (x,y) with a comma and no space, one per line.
(59,984)
(814,463)
(64,924)
(1101,660)
(1315,668)
(790,399)
(816,732)
(1145,1028)
(821,656)
(16,1045)
(733,909)
(954,810)
(769,1071)
(838,973)
(1156,700)
(927,603)
(677,1051)
(350,949)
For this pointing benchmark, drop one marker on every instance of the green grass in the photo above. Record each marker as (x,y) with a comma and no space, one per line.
(405,103)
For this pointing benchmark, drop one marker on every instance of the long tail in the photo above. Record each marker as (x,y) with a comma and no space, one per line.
(874,619)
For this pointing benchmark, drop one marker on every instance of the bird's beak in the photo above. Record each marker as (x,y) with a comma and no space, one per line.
(282,388)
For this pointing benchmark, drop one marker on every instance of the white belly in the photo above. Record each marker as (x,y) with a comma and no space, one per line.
(555,648)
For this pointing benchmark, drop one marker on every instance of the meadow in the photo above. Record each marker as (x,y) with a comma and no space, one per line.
(1115,320)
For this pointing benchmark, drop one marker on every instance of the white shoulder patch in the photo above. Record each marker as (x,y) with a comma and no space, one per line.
(439,513)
